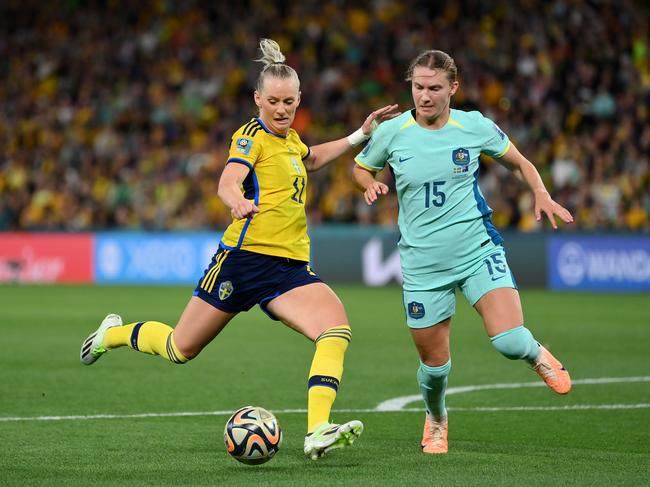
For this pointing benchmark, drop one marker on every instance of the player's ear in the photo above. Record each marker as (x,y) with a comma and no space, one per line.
(298,99)
(454,88)
(258,99)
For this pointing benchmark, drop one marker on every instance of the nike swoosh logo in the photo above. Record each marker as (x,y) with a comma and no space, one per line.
(402,159)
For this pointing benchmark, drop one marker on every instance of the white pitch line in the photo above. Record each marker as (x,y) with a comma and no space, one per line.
(398,403)
(574,407)
(390,406)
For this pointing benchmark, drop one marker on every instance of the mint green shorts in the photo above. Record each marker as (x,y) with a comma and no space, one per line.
(429,307)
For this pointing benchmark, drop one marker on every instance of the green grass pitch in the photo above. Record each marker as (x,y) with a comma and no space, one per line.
(597,435)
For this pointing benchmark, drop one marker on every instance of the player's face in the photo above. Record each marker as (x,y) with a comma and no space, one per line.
(277,102)
(432,92)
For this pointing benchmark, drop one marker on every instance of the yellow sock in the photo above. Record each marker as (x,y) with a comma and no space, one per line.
(325,373)
(150,337)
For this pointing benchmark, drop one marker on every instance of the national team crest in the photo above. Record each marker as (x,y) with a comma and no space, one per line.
(416,310)
(225,290)
(460,157)
(244,145)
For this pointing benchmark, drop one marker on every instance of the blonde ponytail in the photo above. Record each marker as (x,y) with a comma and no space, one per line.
(273,61)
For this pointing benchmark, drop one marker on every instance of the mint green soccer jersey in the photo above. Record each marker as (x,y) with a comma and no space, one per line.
(444,219)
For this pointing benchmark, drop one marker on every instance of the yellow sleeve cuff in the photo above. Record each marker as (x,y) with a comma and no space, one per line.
(501,154)
(367,168)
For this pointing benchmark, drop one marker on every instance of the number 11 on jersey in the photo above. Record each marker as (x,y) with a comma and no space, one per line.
(299,186)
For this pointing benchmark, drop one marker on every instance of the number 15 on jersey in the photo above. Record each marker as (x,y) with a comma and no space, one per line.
(433,195)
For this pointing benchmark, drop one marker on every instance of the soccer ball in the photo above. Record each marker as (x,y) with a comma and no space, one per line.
(252,435)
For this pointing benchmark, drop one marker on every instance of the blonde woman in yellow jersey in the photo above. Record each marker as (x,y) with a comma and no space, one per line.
(263,257)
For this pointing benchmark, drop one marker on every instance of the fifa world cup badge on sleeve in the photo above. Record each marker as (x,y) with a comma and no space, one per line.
(244,145)
(416,310)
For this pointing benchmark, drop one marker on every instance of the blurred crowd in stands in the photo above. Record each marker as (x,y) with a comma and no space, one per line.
(118,114)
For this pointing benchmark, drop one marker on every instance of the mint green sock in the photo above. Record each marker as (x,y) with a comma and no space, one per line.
(517,343)
(433,385)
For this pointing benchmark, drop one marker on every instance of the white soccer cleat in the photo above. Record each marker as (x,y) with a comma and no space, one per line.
(328,437)
(92,347)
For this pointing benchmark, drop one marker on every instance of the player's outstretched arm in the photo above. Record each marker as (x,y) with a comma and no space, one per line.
(366,182)
(515,161)
(322,154)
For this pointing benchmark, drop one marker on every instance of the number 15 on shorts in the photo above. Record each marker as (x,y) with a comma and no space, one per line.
(496,266)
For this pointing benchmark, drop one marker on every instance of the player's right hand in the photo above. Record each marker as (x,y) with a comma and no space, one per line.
(373,191)
(244,209)
(379,116)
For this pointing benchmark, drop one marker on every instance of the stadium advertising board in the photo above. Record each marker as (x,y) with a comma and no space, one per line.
(342,253)
(45,257)
(153,258)
(613,263)
(339,254)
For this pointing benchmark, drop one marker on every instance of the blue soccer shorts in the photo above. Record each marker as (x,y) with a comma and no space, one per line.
(237,280)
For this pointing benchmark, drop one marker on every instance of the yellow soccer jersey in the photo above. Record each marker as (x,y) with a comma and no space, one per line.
(277,183)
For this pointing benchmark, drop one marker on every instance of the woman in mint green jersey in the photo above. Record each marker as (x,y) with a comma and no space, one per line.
(447,239)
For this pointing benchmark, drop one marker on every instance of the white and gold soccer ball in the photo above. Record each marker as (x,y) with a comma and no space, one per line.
(252,435)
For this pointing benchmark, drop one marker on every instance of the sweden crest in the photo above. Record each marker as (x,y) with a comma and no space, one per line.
(225,290)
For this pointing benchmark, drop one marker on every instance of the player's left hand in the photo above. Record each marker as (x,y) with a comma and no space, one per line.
(545,204)
(379,116)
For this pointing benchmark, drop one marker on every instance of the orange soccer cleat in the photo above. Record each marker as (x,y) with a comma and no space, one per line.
(552,372)
(434,437)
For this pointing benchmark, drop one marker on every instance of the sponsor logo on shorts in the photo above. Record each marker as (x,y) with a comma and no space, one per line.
(225,290)
(416,310)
